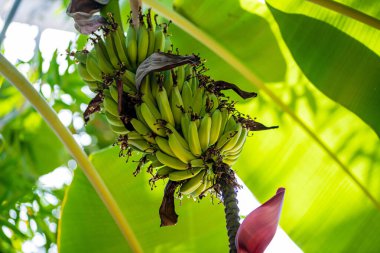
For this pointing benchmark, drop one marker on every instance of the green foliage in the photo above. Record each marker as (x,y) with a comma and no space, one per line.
(312,59)
(87,226)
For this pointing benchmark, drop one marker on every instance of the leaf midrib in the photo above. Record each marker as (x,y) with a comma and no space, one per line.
(187,26)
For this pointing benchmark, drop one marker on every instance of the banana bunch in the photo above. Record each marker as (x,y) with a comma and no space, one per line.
(181,124)
(116,55)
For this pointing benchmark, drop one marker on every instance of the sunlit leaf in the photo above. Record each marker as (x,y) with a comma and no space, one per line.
(340,66)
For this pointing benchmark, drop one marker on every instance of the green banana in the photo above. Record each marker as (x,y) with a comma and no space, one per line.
(225,117)
(225,138)
(168,82)
(180,138)
(193,183)
(142,129)
(185,121)
(216,123)
(151,35)
(81,56)
(170,161)
(131,43)
(121,49)
(231,124)
(180,75)
(187,96)
(134,135)
(93,68)
(110,106)
(159,39)
(113,120)
(164,106)
(102,57)
(184,174)
(197,102)
(83,72)
(141,145)
(163,172)
(119,129)
(240,142)
(142,43)
(229,145)
(193,139)
(114,93)
(204,132)
(151,121)
(128,78)
(176,105)
(163,144)
(112,51)
(181,152)
(197,163)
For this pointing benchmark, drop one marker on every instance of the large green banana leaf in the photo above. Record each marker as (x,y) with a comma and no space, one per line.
(329,166)
(341,66)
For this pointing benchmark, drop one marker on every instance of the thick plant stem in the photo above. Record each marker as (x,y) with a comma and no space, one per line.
(348,11)
(231,211)
(135,8)
(51,117)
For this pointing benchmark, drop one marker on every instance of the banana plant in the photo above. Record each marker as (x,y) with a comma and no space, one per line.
(160,102)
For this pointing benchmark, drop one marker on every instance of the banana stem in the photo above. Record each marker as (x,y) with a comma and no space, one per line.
(51,117)
(231,211)
(135,8)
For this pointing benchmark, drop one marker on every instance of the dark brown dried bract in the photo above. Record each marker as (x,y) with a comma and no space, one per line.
(167,209)
(222,85)
(93,106)
(162,61)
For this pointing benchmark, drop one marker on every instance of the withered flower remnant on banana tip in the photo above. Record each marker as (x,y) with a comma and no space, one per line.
(82,11)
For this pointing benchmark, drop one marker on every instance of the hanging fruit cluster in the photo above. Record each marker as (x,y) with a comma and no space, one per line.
(162,105)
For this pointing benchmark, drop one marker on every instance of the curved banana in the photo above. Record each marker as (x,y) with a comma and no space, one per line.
(110,106)
(185,121)
(141,145)
(163,144)
(114,93)
(102,57)
(193,139)
(164,106)
(176,105)
(112,51)
(204,132)
(93,68)
(180,151)
(131,43)
(121,49)
(142,43)
(187,96)
(119,129)
(216,123)
(193,183)
(170,161)
(163,172)
(184,174)
(197,103)
(159,40)
(143,130)
(229,145)
(114,120)
(151,121)
(83,73)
